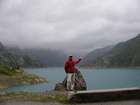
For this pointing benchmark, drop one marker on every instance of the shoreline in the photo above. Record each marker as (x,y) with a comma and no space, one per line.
(21,79)
(32,67)
(109,67)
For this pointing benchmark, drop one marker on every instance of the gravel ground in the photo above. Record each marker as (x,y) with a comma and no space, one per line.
(51,93)
(18,102)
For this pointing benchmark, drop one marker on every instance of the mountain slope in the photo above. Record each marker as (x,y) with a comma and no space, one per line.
(95,54)
(12,59)
(46,56)
(124,54)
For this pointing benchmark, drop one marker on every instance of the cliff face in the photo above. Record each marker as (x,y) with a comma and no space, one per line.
(23,60)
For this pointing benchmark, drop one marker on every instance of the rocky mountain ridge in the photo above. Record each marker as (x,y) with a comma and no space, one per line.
(23,60)
(123,54)
(52,58)
(95,54)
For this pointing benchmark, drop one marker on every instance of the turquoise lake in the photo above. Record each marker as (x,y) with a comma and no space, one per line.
(96,79)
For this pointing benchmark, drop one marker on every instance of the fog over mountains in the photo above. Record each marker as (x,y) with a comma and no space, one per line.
(72,26)
(108,56)
(54,58)
(23,60)
(49,57)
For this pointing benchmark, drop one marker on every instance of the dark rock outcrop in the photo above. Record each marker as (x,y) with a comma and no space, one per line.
(80,83)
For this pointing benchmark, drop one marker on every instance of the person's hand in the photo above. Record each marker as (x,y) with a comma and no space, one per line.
(81,57)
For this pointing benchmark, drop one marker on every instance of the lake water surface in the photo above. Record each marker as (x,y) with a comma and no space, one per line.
(95,79)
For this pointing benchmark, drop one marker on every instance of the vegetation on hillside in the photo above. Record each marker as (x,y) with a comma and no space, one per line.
(9,71)
(124,54)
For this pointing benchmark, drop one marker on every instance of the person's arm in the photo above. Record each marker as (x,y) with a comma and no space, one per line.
(78,60)
(66,67)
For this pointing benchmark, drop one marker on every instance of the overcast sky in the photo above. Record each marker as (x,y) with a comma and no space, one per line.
(70,25)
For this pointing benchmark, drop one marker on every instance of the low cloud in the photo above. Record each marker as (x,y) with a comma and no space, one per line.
(70,25)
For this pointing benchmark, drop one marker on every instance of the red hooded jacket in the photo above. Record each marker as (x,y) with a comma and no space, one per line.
(70,65)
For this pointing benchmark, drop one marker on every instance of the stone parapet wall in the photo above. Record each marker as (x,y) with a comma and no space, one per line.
(104,95)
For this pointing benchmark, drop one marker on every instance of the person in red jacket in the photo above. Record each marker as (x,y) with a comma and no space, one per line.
(70,70)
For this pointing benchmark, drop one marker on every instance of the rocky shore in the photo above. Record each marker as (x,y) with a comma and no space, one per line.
(22,79)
